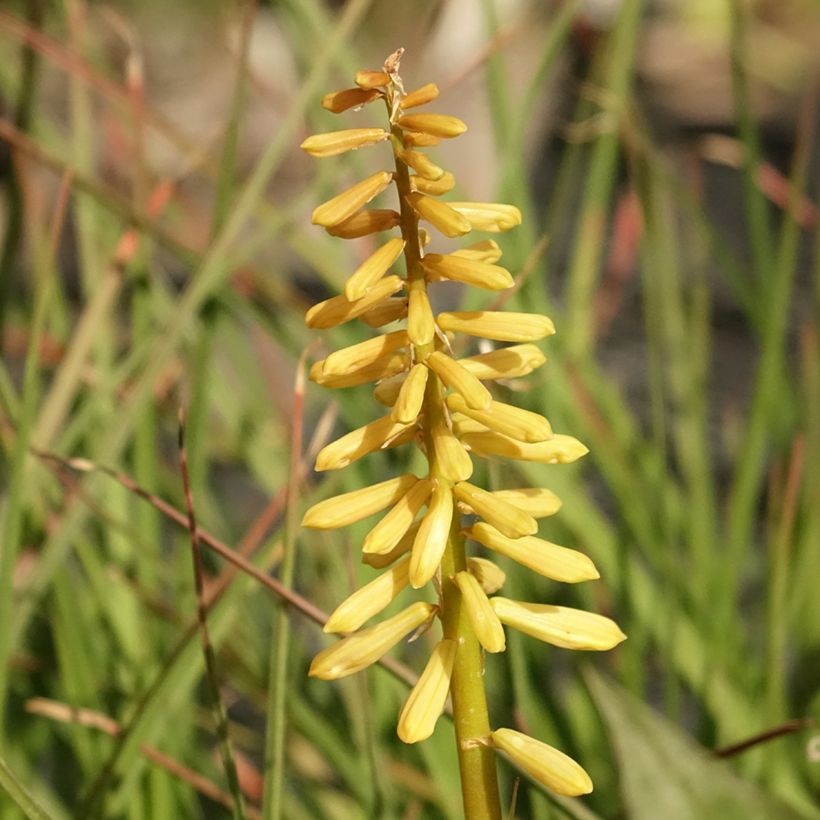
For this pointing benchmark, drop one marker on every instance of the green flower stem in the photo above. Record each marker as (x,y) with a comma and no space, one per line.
(479,783)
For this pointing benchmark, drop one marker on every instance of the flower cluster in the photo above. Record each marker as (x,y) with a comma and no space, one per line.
(441,404)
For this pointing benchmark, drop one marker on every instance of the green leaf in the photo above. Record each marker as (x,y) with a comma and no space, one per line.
(664,773)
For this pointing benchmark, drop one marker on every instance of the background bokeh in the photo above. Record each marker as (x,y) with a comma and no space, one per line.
(156,253)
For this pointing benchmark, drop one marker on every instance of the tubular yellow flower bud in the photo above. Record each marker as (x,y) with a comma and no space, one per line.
(338,101)
(358,443)
(543,557)
(446,182)
(539,502)
(501,326)
(387,391)
(459,379)
(505,363)
(453,460)
(370,600)
(426,701)
(360,650)
(543,763)
(487,251)
(482,617)
(337,310)
(522,425)
(411,395)
(348,508)
(488,216)
(490,576)
(510,520)
(387,311)
(420,140)
(372,269)
(559,449)
(439,215)
(439,125)
(346,204)
(431,539)
(559,625)
(364,223)
(469,271)
(382,368)
(421,96)
(372,79)
(338,142)
(421,324)
(388,532)
(364,353)
(421,164)
(379,560)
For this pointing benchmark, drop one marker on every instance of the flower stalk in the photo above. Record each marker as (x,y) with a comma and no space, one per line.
(442,405)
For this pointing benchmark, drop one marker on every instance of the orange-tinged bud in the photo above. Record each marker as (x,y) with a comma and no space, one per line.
(372,79)
(364,353)
(420,96)
(446,182)
(411,395)
(421,164)
(338,101)
(439,125)
(338,142)
(387,311)
(440,215)
(346,204)
(364,223)
(421,324)
(419,140)
(469,271)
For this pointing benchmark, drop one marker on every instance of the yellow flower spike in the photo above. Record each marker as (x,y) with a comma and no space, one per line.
(359,442)
(453,460)
(372,79)
(361,649)
(510,520)
(439,125)
(543,763)
(502,326)
(559,625)
(372,269)
(488,216)
(387,391)
(505,363)
(364,223)
(383,368)
(431,539)
(346,204)
(560,449)
(379,560)
(459,379)
(489,575)
(547,559)
(364,353)
(468,271)
(387,311)
(488,250)
(420,96)
(338,142)
(417,139)
(446,182)
(426,700)
(411,395)
(439,215)
(522,425)
(388,532)
(338,101)
(539,502)
(347,508)
(482,617)
(370,600)
(337,310)
(421,164)
(421,324)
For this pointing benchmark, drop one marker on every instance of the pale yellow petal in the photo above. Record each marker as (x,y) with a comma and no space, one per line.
(387,391)
(370,600)
(543,763)
(431,539)
(560,449)
(446,182)
(488,216)
(347,508)
(489,575)
(544,557)
(421,324)
(484,621)
(505,363)
(487,250)
(559,625)
(440,125)
(382,368)
(426,700)
(454,462)
(459,379)
(360,650)
(522,425)
(360,442)
(419,139)
(502,326)
(387,311)
(364,223)
(388,532)
(372,269)
(364,353)
(421,164)
(439,215)
(510,520)
(539,502)
(346,204)
(338,142)
(337,310)
(380,560)
(469,271)
(411,396)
